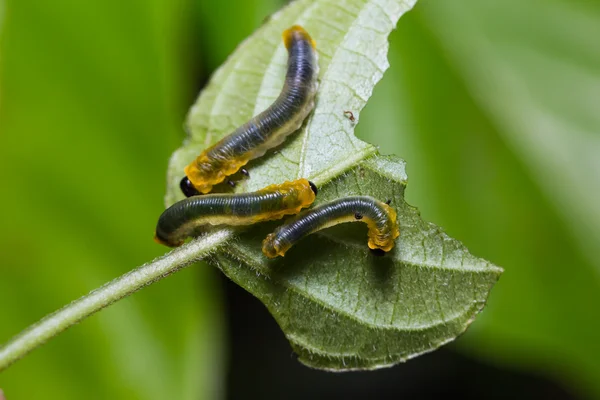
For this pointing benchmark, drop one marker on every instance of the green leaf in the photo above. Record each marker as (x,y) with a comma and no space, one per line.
(533,76)
(343,308)
(340,307)
(539,89)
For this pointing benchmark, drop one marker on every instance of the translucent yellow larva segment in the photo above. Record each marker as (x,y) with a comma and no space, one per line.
(386,241)
(297,195)
(271,249)
(297,31)
(204,174)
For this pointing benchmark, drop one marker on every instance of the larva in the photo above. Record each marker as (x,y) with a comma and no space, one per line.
(269,128)
(379,217)
(182,219)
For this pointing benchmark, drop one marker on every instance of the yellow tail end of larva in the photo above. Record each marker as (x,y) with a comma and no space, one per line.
(288,36)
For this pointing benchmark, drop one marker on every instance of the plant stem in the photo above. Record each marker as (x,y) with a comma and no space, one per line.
(131,282)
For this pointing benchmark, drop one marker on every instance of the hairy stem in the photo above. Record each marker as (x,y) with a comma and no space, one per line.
(131,282)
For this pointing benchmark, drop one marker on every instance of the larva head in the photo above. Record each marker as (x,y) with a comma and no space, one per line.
(274,246)
(295,194)
(187,188)
(301,193)
(295,33)
(205,172)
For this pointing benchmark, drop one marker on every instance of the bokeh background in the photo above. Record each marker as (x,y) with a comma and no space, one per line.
(495,105)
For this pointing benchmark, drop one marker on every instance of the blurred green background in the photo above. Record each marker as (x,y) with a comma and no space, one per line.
(495,105)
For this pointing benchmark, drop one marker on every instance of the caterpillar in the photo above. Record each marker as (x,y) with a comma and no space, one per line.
(379,217)
(182,219)
(266,130)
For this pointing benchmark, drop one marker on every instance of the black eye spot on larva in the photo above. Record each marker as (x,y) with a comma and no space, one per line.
(388,202)
(187,188)
(313,187)
(377,252)
(358,215)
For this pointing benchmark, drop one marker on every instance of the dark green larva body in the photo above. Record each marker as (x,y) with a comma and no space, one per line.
(273,202)
(267,129)
(379,217)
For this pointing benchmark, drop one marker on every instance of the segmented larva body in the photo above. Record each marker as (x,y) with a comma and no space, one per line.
(269,128)
(379,217)
(273,202)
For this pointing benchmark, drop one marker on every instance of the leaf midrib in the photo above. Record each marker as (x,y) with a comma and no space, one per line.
(296,339)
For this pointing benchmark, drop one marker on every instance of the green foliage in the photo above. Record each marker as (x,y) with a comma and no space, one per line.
(343,308)
(340,307)
(492,103)
(91,107)
(489,102)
